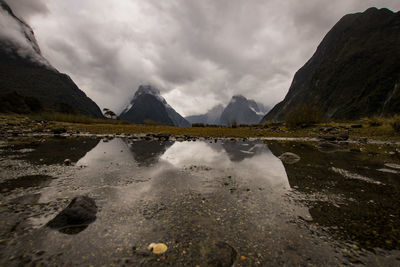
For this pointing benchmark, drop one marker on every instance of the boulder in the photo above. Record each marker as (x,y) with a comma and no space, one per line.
(343,137)
(289,158)
(80,212)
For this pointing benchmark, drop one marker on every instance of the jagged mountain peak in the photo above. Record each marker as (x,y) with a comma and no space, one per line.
(147,89)
(242,111)
(148,105)
(238,98)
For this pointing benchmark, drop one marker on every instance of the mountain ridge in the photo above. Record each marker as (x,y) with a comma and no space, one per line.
(354,71)
(241,110)
(211,117)
(25,71)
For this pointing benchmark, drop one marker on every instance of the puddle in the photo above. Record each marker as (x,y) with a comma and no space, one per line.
(211,203)
(53,151)
(25,182)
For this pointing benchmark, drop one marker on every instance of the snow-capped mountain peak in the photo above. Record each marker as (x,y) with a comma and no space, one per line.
(137,112)
(143,90)
(147,89)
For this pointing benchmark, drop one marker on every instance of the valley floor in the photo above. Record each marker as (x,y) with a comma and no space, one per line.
(17,125)
(247,196)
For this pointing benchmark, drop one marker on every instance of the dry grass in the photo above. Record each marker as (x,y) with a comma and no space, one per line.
(72,118)
(190,131)
(395,123)
(387,131)
(375,121)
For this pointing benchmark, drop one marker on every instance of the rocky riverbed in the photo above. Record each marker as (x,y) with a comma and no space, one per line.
(210,201)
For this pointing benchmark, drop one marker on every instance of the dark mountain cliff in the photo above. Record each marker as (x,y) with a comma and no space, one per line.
(25,71)
(355,71)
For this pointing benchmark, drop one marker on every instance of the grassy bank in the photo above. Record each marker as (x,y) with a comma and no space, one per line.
(370,128)
(73,118)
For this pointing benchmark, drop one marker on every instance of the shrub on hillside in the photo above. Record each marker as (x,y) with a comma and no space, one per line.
(12,102)
(304,116)
(395,123)
(375,121)
(198,125)
(233,124)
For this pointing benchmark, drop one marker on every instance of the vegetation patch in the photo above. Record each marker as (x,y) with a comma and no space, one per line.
(12,102)
(74,118)
(395,123)
(304,116)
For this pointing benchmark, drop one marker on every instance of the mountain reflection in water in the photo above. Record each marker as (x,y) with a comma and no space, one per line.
(213,203)
(245,159)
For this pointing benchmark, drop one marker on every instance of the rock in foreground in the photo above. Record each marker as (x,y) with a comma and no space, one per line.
(79,213)
(289,158)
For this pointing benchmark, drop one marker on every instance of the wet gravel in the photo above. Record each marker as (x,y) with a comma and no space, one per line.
(212,202)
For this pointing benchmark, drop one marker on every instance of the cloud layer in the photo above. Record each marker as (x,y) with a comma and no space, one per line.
(199,53)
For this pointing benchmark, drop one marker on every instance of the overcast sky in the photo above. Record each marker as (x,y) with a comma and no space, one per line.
(197,52)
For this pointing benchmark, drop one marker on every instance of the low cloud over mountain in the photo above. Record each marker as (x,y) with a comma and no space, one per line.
(199,53)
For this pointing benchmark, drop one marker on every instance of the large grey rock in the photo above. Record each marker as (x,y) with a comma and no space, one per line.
(80,212)
(289,158)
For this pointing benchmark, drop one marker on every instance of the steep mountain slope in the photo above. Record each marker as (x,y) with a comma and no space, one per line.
(242,111)
(211,117)
(355,71)
(25,71)
(148,104)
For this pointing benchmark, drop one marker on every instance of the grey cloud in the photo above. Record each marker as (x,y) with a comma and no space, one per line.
(15,32)
(27,8)
(199,53)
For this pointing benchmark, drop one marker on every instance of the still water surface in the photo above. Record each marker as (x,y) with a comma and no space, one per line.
(226,202)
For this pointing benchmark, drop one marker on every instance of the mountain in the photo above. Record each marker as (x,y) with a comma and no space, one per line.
(242,111)
(148,104)
(211,117)
(25,73)
(354,72)
(259,108)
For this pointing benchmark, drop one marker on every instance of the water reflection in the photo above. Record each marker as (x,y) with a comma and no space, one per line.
(205,199)
(243,159)
(239,151)
(25,182)
(252,159)
(117,158)
(191,195)
(148,152)
(56,150)
(124,151)
(106,152)
(347,193)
